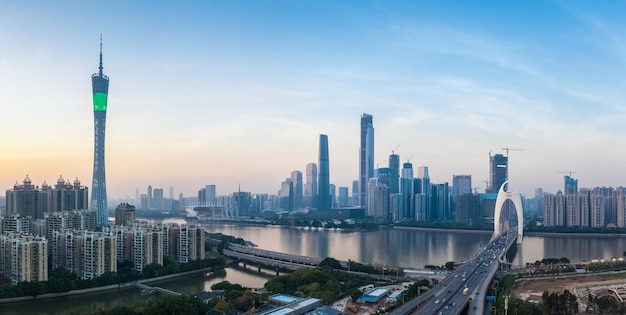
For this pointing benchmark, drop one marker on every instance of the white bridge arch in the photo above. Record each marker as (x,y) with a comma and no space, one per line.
(516,198)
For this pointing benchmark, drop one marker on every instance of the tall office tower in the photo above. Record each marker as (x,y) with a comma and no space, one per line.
(157,199)
(394,173)
(324,175)
(355,193)
(285,195)
(100,88)
(310,188)
(150,204)
(137,196)
(296,178)
(440,202)
(211,195)
(378,201)
(366,157)
(498,172)
(171,193)
(407,191)
(384,176)
(396,207)
(570,185)
(343,197)
(333,194)
(425,188)
(461,185)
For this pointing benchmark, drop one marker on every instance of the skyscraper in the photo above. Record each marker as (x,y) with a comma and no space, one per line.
(407,190)
(571,185)
(498,172)
(296,178)
(324,175)
(394,169)
(366,156)
(461,185)
(310,188)
(100,88)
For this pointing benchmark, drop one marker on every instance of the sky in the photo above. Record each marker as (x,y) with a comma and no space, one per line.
(237,92)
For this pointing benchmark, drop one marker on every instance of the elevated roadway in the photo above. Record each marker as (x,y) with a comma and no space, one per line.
(466,287)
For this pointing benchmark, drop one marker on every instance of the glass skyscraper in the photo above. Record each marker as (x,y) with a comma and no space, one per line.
(366,156)
(324,175)
(100,87)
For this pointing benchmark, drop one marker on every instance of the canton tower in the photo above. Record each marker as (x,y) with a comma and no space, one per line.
(100,87)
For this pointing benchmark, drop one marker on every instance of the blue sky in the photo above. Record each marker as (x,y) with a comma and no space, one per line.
(228,92)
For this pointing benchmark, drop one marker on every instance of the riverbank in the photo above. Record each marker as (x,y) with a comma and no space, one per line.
(112,287)
(598,235)
(442,230)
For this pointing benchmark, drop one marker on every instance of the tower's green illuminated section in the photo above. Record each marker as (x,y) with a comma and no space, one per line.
(100,101)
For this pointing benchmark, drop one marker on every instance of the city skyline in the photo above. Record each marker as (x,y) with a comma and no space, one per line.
(229,93)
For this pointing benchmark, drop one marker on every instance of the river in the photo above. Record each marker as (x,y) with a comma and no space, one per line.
(406,247)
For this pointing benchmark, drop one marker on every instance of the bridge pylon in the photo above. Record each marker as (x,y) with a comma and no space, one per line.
(516,198)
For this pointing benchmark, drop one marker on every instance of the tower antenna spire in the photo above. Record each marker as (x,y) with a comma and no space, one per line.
(100,68)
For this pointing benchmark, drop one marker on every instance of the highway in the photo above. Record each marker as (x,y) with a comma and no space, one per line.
(465,286)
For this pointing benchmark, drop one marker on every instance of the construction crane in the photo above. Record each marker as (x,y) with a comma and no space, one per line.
(507,149)
(568,172)
(393,151)
(409,159)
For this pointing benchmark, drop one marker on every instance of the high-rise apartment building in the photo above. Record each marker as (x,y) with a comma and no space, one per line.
(324,175)
(310,188)
(23,257)
(100,88)
(124,214)
(366,157)
(28,200)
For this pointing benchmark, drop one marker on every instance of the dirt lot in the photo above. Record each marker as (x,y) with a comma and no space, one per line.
(533,289)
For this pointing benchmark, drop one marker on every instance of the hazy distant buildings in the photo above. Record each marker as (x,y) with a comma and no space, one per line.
(157,199)
(324,196)
(343,197)
(310,188)
(100,87)
(366,157)
(207,196)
